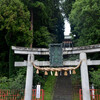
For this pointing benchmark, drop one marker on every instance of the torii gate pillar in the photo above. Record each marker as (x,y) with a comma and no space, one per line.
(85,77)
(29,78)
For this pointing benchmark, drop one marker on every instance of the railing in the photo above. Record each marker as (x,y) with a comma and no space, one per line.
(94,93)
(18,94)
(41,95)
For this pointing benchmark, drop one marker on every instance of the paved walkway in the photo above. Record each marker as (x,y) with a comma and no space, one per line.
(63,88)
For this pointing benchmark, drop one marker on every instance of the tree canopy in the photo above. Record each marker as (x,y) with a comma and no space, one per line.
(15,28)
(67,7)
(85,21)
(14,19)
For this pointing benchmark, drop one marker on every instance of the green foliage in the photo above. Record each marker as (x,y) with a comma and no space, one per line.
(71,57)
(95,78)
(48,88)
(4,82)
(15,85)
(42,37)
(14,30)
(39,78)
(76,78)
(14,19)
(38,5)
(49,15)
(11,62)
(46,13)
(17,82)
(85,25)
(67,6)
(48,27)
(85,21)
(76,96)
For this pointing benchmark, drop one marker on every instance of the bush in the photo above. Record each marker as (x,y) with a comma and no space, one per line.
(95,78)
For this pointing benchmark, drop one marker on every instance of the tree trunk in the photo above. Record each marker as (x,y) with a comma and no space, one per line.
(11,62)
(31,25)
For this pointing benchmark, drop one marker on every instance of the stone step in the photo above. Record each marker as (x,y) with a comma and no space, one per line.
(68,97)
(63,88)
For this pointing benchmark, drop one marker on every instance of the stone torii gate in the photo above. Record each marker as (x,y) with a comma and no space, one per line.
(82,51)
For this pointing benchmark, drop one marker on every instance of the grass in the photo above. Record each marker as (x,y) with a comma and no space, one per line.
(49,87)
(76,83)
(76,96)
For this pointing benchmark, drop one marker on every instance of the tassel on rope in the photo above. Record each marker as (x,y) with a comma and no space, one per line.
(51,73)
(56,73)
(70,71)
(45,73)
(60,73)
(65,73)
(46,69)
(74,72)
(37,72)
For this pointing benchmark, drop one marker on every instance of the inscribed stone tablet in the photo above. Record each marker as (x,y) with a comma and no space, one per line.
(56,57)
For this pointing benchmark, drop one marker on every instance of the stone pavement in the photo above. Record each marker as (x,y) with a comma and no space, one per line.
(63,88)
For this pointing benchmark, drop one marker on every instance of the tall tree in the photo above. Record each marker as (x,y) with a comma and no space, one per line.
(85,21)
(29,4)
(15,24)
(67,7)
(47,14)
(14,19)
(55,19)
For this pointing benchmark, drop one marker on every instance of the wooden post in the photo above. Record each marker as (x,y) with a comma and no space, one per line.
(84,77)
(29,78)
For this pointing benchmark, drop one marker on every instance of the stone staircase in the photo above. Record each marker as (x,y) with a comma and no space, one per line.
(63,88)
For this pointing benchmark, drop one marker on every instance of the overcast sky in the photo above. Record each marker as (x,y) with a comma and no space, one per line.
(67,28)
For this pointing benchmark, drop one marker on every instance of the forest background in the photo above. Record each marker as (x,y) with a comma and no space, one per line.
(37,23)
